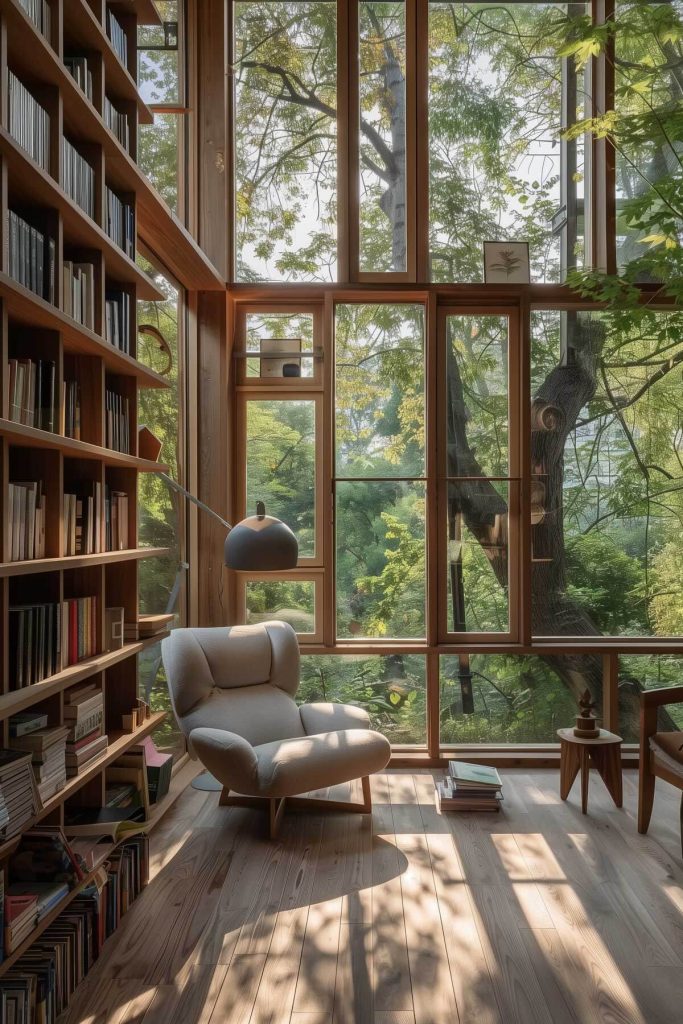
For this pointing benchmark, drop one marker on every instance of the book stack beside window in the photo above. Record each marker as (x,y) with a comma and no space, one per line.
(47,745)
(469,787)
(84,716)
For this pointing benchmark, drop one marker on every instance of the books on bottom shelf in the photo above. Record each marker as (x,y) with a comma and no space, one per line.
(84,718)
(18,787)
(47,746)
(469,787)
(46,638)
(26,520)
(32,392)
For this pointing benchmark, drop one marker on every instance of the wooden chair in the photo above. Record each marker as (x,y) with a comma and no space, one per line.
(661,753)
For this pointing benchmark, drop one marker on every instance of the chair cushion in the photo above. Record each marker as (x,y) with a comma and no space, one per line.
(290,767)
(333,717)
(259,713)
(668,747)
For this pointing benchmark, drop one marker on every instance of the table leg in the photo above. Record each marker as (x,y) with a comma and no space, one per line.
(585,769)
(608,762)
(569,767)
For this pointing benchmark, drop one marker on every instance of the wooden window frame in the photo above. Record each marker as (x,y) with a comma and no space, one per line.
(303,575)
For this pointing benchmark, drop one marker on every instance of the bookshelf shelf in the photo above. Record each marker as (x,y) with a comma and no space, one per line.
(40,565)
(30,437)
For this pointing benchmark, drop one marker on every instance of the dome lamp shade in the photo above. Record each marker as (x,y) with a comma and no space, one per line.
(261,543)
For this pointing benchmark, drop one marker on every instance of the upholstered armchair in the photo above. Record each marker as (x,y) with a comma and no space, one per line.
(661,753)
(232,689)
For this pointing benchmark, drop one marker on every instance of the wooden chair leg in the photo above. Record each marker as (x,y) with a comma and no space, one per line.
(367,795)
(646,797)
(277,809)
(223,800)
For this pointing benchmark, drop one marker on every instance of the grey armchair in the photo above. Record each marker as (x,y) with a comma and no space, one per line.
(232,690)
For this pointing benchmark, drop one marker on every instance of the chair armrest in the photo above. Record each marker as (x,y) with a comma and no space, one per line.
(229,757)
(317,718)
(662,695)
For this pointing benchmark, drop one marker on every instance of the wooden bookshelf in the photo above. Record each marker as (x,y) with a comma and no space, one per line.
(72,359)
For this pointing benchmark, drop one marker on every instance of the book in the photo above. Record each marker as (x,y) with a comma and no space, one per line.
(116,822)
(476,775)
(31,256)
(29,122)
(446,800)
(44,856)
(78,177)
(26,722)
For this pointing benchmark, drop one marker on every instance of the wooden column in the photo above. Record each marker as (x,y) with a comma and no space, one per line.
(213,129)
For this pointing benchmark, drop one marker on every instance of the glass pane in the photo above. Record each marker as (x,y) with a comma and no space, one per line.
(502,698)
(648,672)
(161,510)
(380,406)
(280,465)
(478,569)
(159,155)
(380,537)
(382,137)
(291,601)
(477,395)
(391,689)
(284,332)
(158,78)
(496,163)
(649,88)
(286,141)
(607,454)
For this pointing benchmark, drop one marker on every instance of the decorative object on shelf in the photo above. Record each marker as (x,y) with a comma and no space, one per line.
(586,723)
(149,446)
(603,752)
(506,263)
(113,629)
(155,333)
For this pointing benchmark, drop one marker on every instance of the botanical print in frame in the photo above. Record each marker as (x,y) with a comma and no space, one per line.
(506,262)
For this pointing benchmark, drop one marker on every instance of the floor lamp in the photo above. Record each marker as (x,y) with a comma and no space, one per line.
(258,543)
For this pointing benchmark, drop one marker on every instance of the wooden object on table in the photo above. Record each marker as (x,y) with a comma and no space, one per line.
(603,753)
(586,724)
(656,761)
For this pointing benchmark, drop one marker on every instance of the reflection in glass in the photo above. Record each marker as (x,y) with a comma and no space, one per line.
(291,601)
(392,690)
(280,465)
(380,563)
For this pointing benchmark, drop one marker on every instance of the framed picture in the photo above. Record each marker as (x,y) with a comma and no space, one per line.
(506,262)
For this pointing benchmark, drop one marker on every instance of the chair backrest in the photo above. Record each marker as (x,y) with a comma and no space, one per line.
(239,678)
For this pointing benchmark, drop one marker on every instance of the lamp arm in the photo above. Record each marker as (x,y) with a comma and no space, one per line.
(175,486)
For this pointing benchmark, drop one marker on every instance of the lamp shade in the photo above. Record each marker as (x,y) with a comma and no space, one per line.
(261,543)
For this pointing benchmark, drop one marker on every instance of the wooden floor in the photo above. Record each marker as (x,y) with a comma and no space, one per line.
(535,915)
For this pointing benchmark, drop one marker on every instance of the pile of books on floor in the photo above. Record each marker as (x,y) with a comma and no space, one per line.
(39,13)
(78,178)
(26,520)
(84,717)
(79,292)
(117,122)
(19,792)
(469,787)
(117,320)
(32,257)
(32,392)
(71,409)
(116,422)
(29,123)
(83,518)
(47,745)
(78,68)
(120,222)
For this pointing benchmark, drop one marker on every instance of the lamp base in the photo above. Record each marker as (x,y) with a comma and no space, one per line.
(207,783)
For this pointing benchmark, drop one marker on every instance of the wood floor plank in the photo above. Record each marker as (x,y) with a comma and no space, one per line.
(237,994)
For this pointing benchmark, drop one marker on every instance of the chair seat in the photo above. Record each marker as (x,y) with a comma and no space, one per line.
(294,766)
(668,748)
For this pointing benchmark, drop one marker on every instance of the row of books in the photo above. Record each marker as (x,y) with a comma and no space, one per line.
(86,738)
(29,123)
(120,222)
(117,122)
(116,521)
(46,638)
(82,519)
(469,787)
(32,257)
(71,407)
(78,178)
(26,520)
(47,745)
(78,68)
(117,320)
(78,292)
(32,392)
(117,37)
(116,421)
(39,13)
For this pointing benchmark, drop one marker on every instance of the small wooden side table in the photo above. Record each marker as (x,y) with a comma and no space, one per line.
(604,752)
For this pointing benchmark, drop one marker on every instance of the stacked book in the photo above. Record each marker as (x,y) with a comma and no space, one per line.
(148,626)
(32,257)
(469,787)
(39,13)
(48,749)
(29,123)
(84,716)
(71,409)
(83,519)
(120,222)
(32,392)
(79,292)
(26,520)
(117,122)
(117,320)
(116,422)
(19,790)
(117,37)
(80,71)
(4,822)
(115,521)
(78,178)
(21,914)
(34,643)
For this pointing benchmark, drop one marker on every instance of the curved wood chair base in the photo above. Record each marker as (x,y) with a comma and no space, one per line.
(276,805)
